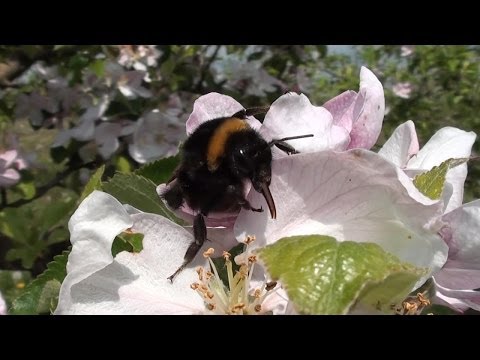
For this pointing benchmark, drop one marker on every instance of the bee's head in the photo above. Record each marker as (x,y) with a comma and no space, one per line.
(250,157)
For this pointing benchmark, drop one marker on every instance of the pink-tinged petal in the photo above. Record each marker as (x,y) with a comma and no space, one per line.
(402,145)
(3,305)
(7,158)
(458,278)
(368,111)
(355,195)
(447,143)
(20,163)
(341,108)
(450,302)
(211,106)
(403,89)
(292,114)
(93,227)
(9,177)
(458,299)
(220,239)
(463,233)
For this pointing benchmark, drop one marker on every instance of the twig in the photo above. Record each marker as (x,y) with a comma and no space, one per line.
(3,202)
(205,67)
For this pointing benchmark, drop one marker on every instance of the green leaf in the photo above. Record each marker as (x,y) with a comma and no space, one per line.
(159,171)
(220,263)
(127,242)
(138,192)
(41,295)
(122,164)
(98,67)
(95,183)
(34,226)
(431,183)
(324,276)
(27,189)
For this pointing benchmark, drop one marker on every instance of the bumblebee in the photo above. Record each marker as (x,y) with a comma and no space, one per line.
(217,158)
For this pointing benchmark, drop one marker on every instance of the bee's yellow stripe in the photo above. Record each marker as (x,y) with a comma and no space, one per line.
(216,146)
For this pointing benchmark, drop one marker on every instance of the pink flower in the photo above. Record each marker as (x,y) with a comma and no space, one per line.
(10,162)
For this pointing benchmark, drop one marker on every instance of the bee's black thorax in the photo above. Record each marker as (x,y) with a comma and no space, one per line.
(217,159)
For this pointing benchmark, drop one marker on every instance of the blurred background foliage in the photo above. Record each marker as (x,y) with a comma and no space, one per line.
(66,110)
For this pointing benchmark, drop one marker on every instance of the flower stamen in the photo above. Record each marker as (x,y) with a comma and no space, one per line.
(233,297)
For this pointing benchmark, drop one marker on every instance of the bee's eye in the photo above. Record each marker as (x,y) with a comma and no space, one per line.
(242,161)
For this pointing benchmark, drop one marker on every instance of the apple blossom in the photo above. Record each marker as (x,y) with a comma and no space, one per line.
(157,135)
(136,283)
(456,280)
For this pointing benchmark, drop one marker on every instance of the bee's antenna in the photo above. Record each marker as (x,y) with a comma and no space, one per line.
(242,114)
(282,145)
(273,142)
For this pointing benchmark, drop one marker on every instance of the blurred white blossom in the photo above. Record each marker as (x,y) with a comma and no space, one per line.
(403,89)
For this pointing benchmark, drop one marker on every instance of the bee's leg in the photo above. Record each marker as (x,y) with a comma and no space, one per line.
(174,196)
(237,191)
(242,114)
(200,235)
(244,203)
(285,147)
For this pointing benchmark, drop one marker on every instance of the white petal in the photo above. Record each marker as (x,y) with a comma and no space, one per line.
(96,112)
(276,302)
(85,131)
(355,195)
(292,114)
(106,137)
(464,233)
(211,106)
(447,143)
(3,306)
(9,177)
(368,111)
(458,299)
(402,145)
(62,137)
(156,136)
(137,283)
(93,227)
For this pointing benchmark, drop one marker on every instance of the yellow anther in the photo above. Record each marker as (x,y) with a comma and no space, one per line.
(208,253)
